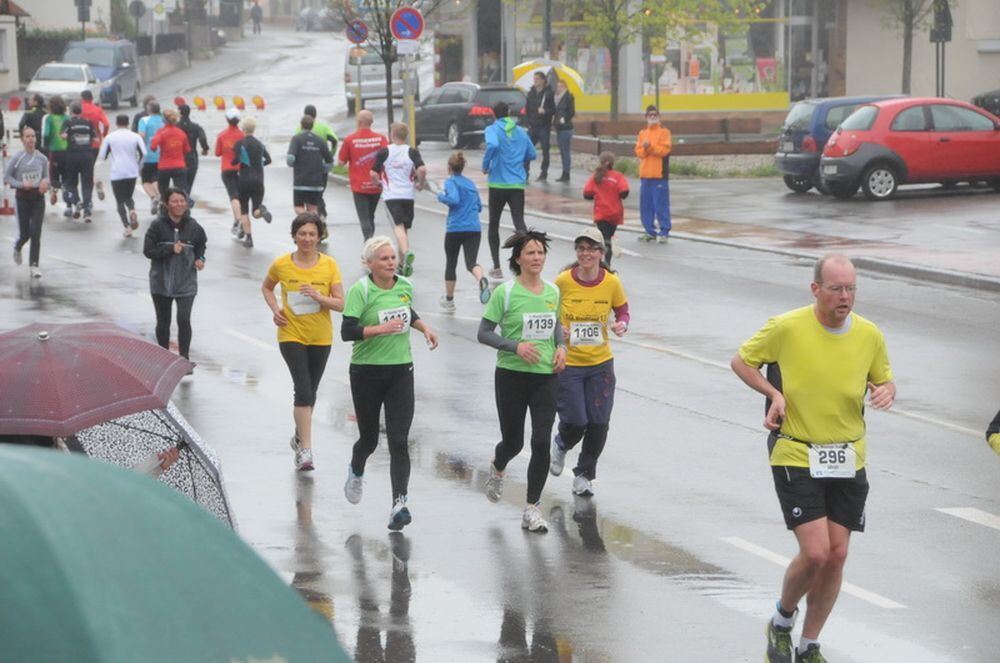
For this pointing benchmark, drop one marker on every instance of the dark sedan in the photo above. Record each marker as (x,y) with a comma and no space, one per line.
(459,112)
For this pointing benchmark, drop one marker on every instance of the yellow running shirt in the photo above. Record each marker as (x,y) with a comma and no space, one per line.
(824,378)
(585,311)
(308,322)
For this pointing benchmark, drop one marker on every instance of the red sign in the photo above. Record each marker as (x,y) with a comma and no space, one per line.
(407,23)
(357,32)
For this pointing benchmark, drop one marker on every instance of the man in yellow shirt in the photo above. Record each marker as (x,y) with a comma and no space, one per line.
(822,359)
(653,149)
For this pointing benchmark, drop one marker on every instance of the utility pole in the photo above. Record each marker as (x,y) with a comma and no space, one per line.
(547,30)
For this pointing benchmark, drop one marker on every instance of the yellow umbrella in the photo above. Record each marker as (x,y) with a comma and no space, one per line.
(524,74)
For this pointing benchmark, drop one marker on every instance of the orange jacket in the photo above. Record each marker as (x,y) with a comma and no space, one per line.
(654,162)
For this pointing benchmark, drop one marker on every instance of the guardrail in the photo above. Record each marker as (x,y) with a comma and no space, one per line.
(626,148)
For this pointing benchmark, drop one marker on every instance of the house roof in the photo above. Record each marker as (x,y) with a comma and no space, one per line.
(11,8)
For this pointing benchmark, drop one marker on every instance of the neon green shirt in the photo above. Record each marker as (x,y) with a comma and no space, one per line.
(372,306)
(525,316)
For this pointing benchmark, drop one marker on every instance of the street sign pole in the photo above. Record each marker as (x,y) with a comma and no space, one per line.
(358,104)
(411,115)
(357,33)
(406,25)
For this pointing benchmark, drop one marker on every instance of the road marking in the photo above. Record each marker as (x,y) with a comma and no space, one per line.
(249,339)
(974,515)
(932,420)
(848,588)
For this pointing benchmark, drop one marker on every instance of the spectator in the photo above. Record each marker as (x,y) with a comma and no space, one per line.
(565,109)
(653,149)
(538,110)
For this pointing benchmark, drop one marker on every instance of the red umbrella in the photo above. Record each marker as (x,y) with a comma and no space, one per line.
(58,379)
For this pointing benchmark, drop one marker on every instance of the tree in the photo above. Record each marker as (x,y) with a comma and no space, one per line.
(614,24)
(908,17)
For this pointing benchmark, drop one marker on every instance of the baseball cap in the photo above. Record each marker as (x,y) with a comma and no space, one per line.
(232,114)
(592,234)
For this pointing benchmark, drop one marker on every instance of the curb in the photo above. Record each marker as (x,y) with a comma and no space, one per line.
(212,81)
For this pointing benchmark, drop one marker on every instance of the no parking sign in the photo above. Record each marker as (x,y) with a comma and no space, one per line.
(406,23)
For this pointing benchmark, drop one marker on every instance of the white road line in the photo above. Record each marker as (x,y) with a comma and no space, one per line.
(936,422)
(250,339)
(974,515)
(848,588)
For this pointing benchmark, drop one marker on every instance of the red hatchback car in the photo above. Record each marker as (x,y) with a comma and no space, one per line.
(908,141)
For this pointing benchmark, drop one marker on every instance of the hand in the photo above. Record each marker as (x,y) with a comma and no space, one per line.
(394,326)
(168,457)
(431,337)
(559,361)
(279,318)
(619,329)
(310,292)
(178,246)
(775,413)
(882,396)
(199,264)
(528,352)
(43,187)
(645,144)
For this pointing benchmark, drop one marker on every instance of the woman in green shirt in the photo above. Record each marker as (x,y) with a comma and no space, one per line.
(378,316)
(54,145)
(530,353)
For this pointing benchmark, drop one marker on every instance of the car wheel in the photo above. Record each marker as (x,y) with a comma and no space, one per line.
(798,184)
(134,100)
(879,182)
(113,104)
(821,186)
(843,190)
(995,183)
(454,136)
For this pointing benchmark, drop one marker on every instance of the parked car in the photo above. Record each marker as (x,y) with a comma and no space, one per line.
(372,79)
(460,112)
(907,141)
(68,80)
(988,101)
(808,126)
(115,62)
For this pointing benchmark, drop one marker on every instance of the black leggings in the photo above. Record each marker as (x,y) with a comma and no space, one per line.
(123,190)
(306,363)
(164,177)
(468,242)
(192,170)
(251,191)
(498,198)
(371,387)
(79,171)
(365,204)
(607,229)
(518,392)
(162,304)
(30,214)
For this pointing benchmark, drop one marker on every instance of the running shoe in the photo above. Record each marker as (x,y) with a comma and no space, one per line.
(133,219)
(36,273)
(266,215)
(353,487)
(646,238)
(532,520)
(399,517)
(154,207)
(484,290)
(557,456)
(408,264)
(811,655)
(77,209)
(53,197)
(87,215)
(496,274)
(240,234)
(582,487)
(127,232)
(236,227)
(17,254)
(248,242)
(779,643)
(447,305)
(304,460)
(100,190)
(494,485)
(68,212)
(662,239)
(295,442)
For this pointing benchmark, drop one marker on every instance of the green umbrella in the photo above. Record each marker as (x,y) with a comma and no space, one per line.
(98,563)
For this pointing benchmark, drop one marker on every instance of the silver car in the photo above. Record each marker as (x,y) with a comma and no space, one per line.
(68,80)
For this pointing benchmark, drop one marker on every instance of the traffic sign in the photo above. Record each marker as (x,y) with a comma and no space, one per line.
(407,23)
(137,9)
(407,47)
(357,31)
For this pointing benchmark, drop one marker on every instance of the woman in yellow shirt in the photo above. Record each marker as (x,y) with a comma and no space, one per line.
(311,287)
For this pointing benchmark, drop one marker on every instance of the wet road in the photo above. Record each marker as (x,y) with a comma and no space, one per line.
(679,555)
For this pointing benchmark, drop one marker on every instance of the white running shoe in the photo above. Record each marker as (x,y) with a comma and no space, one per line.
(532,520)
(304,460)
(496,274)
(100,189)
(354,486)
(447,305)
(494,485)
(582,486)
(133,219)
(35,273)
(557,457)
(127,232)
(400,516)
(294,442)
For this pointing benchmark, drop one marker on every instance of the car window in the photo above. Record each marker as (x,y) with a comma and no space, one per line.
(452,96)
(956,118)
(433,97)
(800,115)
(368,58)
(56,73)
(98,56)
(911,119)
(838,114)
(509,97)
(861,119)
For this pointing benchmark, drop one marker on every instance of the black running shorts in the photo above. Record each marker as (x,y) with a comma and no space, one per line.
(804,499)
(401,212)
(150,173)
(302,198)
(231,180)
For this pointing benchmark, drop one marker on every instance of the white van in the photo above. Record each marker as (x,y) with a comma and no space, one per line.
(372,79)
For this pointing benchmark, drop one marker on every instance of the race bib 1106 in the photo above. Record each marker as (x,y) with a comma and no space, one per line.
(586,333)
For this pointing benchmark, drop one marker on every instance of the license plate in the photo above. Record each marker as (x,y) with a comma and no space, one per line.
(829,170)
(787,146)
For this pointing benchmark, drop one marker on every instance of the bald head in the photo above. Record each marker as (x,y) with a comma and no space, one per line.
(831,261)
(365,119)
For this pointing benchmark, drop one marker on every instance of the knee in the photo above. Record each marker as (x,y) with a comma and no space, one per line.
(572,431)
(816,557)
(837,556)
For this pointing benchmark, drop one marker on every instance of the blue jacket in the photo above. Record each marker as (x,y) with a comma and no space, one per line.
(464,206)
(508,148)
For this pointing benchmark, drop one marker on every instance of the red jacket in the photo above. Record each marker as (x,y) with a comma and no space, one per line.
(172,142)
(359,151)
(97,118)
(224,144)
(607,197)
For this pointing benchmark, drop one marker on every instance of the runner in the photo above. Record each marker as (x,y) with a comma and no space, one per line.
(28,174)
(607,188)
(251,156)
(401,172)
(54,145)
(463,231)
(530,353)
(821,360)
(324,131)
(33,115)
(505,162)
(126,150)
(175,245)
(172,144)
(311,287)
(79,186)
(94,114)
(148,126)
(224,144)
(142,113)
(588,293)
(378,316)
(311,160)
(196,136)
(358,150)
(993,434)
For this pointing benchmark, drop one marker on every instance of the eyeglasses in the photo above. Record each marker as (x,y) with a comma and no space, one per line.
(839,289)
(584,248)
